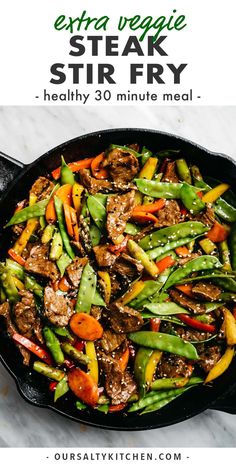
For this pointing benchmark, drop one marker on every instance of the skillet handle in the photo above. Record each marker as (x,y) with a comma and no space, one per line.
(226,403)
(9,169)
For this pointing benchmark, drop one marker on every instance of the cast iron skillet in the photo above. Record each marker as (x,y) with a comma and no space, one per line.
(15,182)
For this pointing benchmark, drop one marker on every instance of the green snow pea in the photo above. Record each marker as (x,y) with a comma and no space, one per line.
(48,234)
(159,251)
(56,248)
(98,300)
(172,233)
(161,190)
(204,262)
(15,269)
(67,177)
(146,154)
(87,290)
(62,331)
(207,276)
(95,234)
(60,217)
(165,308)
(8,284)
(132,229)
(227,297)
(190,199)
(183,170)
(53,345)
(97,210)
(164,342)
(160,404)
(226,283)
(36,210)
(140,364)
(151,288)
(153,397)
(173,383)
(63,262)
(80,405)
(61,389)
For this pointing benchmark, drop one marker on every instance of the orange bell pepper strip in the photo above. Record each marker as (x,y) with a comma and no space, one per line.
(185,288)
(69,226)
(151,207)
(32,347)
(74,167)
(124,360)
(182,251)
(97,171)
(143,217)
(64,193)
(165,263)
(63,284)
(17,258)
(217,233)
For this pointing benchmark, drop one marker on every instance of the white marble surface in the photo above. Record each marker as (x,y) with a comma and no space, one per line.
(26,133)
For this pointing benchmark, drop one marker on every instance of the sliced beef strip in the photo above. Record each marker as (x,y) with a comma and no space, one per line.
(39,263)
(119,386)
(206,291)
(123,166)
(144,232)
(42,188)
(207,217)
(192,334)
(170,173)
(127,266)
(104,256)
(17,229)
(209,356)
(173,366)
(75,269)
(197,308)
(26,319)
(94,185)
(11,329)
(123,319)
(187,259)
(169,214)
(111,341)
(58,310)
(119,209)
(96,312)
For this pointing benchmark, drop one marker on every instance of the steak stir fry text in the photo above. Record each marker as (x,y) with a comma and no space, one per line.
(120,283)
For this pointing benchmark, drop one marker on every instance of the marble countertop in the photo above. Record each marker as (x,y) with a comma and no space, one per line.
(26,133)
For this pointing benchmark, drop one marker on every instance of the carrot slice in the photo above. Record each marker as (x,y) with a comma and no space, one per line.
(143,217)
(185,288)
(217,233)
(165,263)
(63,285)
(116,408)
(74,224)
(64,193)
(68,220)
(74,166)
(182,251)
(124,359)
(17,258)
(150,208)
(86,327)
(83,386)
(98,172)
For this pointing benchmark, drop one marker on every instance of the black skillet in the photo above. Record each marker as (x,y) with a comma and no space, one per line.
(15,182)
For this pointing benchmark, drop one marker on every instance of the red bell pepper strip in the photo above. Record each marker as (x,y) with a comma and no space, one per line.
(217,233)
(155,324)
(196,324)
(74,166)
(116,408)
(53,385)
(165,263)
(32,347)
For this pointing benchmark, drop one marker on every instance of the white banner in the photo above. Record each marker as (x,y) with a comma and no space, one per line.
(89,52)
(117,456)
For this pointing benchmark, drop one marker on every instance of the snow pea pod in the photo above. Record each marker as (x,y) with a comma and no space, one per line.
(61,389)
(98,300)
(232,246)
(8,284)
(33,211)
(222,208)
(146,154)
(151,288)
(154,397)
(164,342)
(97,210)
(158,251)
(226,283)
(227,297)
(160,404)
(165,308)
(172,233)
(204,262)
(132,229)
(190,199)
(161,190)
(171,383)
(206,276)
(67,176)
(95,234)
(60,217)
(63,262)
(87,290)
(183,170)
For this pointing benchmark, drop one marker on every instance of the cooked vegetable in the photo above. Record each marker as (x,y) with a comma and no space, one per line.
(48,371)
(32,347)
(53,345)
(36,210)
(59,210)
(138,253)
(93,368)
(87,290)
(221,366)
(74,167)
(61,389)
(86,327)
(75,354)
(83,386)
(67,176)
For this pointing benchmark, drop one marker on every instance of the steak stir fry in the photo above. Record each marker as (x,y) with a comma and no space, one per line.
(120,283)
